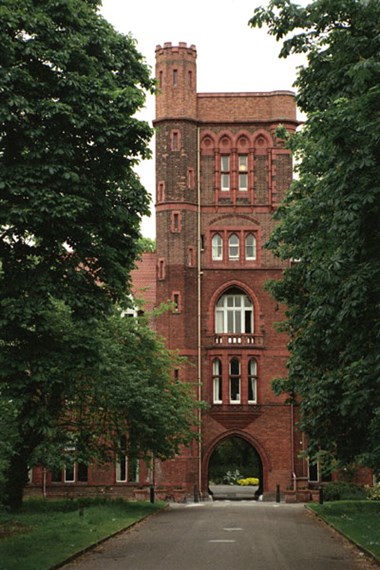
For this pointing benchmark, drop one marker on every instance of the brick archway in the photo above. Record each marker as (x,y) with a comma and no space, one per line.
(256,446)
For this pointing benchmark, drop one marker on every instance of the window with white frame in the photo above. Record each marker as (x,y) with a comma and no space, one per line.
(233,247)
(234,313)
(217,247)
(234,379)
(127,468)
(252,381)
(243,171)
(217,381)
(133,469)
(122,461)
(71,472)
(250,247)
(225,172)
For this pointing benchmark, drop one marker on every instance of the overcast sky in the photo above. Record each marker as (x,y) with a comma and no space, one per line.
(231,55)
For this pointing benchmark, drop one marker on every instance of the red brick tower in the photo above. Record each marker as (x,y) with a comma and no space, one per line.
(176,222)
(221,172)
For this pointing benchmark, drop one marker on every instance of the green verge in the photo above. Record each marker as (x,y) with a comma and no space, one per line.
(46,533)
(357,520)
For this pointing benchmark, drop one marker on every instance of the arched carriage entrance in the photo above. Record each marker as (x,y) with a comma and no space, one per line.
(232,459)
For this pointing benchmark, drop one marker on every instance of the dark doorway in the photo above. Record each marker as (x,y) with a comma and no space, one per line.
(234,458)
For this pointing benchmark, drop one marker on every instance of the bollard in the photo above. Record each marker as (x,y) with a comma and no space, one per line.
(278,497)
(196,496)
(151,493)
(321,495)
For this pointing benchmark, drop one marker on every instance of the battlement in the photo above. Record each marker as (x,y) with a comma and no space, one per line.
(181,47)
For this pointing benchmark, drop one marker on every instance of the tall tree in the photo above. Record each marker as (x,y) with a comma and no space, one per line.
(330,224)
(70,201)
(129,391)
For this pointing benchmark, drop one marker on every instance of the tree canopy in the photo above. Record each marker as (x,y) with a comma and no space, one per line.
(70,211)
(329,225)
(147,245)
(129,390)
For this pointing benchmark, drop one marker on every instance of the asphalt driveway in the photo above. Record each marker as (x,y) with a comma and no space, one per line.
(225,535)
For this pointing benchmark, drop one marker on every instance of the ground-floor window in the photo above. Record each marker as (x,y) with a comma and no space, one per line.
(316,473)
(71,472)
(127,468)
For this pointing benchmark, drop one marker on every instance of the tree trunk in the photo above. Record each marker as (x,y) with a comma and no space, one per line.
(16,479)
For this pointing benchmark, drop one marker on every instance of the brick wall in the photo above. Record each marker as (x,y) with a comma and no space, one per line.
(220,123)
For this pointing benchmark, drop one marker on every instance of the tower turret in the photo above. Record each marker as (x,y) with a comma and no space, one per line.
(176,191)
(176,76)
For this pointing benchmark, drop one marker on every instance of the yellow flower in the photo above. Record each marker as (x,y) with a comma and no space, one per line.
(248,481)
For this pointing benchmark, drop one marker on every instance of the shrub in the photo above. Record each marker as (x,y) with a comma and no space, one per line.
(248,481)
(231,477)
(373,493)
(342,490)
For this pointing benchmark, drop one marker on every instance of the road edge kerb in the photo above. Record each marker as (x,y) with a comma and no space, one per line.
(104,539)
(331,525)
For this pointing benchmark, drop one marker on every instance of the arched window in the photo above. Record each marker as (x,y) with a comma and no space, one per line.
(234,313)
(252,381)
(234,381)
(217,247)
(233,247)
(217,397)
(250,247)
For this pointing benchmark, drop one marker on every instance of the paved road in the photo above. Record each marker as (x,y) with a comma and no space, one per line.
(226,536)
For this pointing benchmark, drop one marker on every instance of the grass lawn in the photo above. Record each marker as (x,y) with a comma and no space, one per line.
(46,533)
(358,520)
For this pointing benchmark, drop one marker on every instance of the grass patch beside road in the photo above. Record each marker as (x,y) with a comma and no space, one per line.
(46,533)
(358,520)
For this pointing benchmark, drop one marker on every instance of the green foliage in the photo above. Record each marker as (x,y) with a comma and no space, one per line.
(329,223)
(373,493)
(70,208)
(358,520)
(8,438)
(233,459)
(343,491)
(45,533)
(130,390)
(147,245)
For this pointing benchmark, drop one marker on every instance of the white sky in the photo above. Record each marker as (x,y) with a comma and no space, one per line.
(231,55)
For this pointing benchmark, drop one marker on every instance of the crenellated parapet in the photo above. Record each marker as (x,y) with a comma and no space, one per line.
(176,75)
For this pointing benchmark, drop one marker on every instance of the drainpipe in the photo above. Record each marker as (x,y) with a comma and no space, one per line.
(199,277)
(294,477)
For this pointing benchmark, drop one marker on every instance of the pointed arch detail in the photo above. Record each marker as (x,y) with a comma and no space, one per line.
(264,457)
